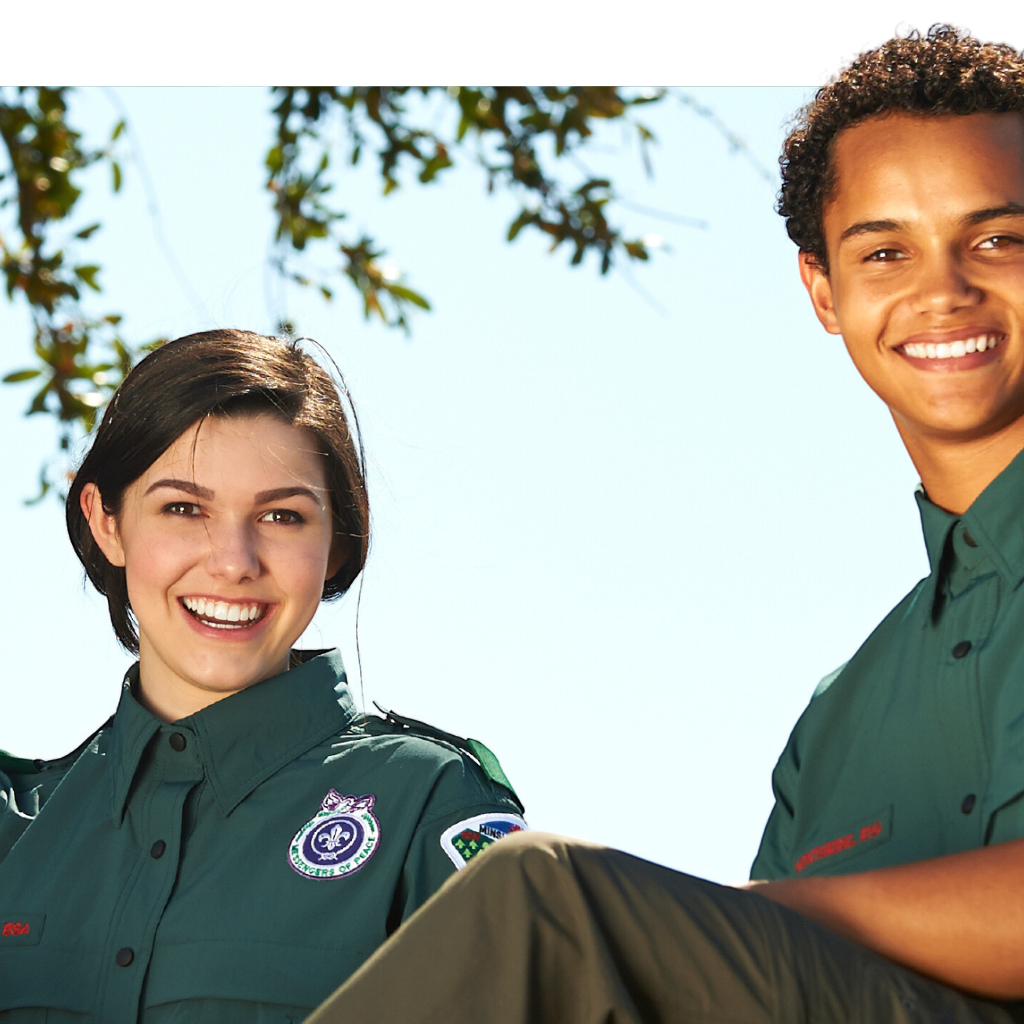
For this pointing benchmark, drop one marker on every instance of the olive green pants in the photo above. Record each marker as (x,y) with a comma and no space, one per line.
(542,930)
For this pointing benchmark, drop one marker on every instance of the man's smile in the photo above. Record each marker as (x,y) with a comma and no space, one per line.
(962,351)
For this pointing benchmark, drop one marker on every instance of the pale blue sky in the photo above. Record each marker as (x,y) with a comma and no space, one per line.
(617,538)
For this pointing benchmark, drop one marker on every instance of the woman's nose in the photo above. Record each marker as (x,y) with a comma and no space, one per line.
(233,554)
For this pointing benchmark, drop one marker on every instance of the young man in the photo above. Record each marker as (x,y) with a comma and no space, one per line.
(893,862)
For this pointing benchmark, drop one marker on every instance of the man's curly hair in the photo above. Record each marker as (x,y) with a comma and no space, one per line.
(945,72)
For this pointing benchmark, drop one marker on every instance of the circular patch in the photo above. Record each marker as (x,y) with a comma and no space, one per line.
(339,839)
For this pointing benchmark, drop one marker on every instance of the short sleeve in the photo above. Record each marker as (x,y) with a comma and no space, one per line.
(776,856)
(466,813)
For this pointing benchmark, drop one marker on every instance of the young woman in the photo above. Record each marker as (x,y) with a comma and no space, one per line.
(237,839)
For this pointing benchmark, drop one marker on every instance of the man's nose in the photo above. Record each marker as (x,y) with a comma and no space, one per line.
(943,284)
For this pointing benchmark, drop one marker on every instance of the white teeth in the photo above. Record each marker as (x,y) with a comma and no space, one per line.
(226,613)
(953,349)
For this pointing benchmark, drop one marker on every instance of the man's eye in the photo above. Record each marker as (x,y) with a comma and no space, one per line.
(281,515)
(182,508)
(999,242)
(884,256)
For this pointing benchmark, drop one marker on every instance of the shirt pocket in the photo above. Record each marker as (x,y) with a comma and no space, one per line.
(265,973)
(46,984)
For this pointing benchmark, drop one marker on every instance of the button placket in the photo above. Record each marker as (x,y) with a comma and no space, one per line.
(157,809)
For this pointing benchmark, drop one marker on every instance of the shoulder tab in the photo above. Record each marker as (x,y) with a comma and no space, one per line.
(480,753)
(11,765)
(34,766)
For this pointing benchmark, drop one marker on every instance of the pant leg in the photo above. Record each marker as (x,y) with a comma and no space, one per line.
(542,930)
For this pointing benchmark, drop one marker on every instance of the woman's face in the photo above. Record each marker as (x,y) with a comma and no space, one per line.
(226,541)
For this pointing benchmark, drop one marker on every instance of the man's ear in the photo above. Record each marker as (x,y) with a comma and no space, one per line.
(102,525)
(819,287)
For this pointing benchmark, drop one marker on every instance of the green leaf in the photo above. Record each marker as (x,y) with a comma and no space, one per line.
(86,232)
(20,375)
(88,274)
(118,128)
(409,295)
(116,169)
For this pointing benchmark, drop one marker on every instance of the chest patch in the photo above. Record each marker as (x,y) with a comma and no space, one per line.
(338,840)
(465,839)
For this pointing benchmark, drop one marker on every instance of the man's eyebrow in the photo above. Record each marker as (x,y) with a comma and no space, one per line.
(188,486)
(868,227)
(993,213)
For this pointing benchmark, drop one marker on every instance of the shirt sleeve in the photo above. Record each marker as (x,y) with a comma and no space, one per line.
(776,855)
(466,813)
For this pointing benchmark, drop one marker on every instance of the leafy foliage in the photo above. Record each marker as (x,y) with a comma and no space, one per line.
(516,134)
(80,359)
(522,137)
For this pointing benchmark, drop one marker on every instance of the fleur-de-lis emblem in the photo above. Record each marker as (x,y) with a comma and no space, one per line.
(335,837)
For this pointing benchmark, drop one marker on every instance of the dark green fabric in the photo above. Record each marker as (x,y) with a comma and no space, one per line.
(220,926)
(915,748)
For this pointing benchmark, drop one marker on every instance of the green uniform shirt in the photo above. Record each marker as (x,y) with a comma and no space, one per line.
(234,866)
(915,748)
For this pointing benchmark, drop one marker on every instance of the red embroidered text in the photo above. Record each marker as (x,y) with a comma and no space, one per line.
(15,928)
(830,849)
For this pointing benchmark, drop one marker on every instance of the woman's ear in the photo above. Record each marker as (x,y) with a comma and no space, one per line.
(102,525)
(341,548)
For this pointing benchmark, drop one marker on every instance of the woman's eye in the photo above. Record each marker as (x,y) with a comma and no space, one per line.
(182,508)
(281,515)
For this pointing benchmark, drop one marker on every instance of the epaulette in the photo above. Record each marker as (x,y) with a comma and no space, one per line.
(479,752)
(11,765)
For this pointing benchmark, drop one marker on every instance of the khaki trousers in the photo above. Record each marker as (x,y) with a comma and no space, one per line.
(543,930)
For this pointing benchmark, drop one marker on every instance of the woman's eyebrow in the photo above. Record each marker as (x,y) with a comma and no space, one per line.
(277,493)
(188,486)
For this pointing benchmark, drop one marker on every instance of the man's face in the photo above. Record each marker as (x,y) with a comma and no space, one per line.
(925,237)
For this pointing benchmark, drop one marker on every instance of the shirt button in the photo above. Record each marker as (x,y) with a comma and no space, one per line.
(960,651)
(177,741)
(969,540)
(124,957)
(157,849)
(967,805)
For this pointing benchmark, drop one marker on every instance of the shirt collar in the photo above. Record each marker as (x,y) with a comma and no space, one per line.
(243,739)
(994,521)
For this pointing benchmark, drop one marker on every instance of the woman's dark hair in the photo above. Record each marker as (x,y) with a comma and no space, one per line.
(944,72)
(217,373)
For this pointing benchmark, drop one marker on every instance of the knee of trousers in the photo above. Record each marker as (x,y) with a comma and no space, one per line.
(529,863)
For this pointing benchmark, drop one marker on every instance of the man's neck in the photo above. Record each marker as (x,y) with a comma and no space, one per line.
(954,473)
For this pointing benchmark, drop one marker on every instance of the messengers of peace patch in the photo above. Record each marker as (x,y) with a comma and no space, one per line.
(339,839)
(465,839)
